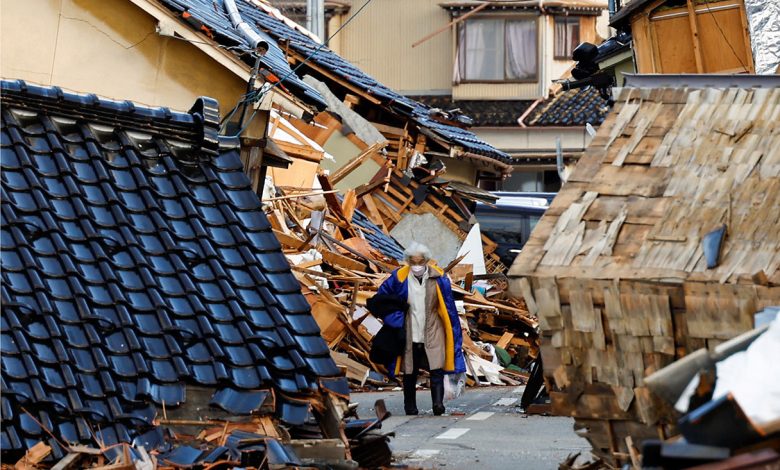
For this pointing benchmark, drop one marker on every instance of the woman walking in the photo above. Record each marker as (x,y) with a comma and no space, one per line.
(432,330)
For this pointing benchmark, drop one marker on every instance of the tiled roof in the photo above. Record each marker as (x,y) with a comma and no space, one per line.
(216,19)
(570,108)
(498,113)
(377,238)
(136,262)
(212,15)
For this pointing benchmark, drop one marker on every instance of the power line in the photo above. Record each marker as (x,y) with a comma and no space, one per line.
(715,20)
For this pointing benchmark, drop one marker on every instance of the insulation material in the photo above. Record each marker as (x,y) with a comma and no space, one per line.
(764,22)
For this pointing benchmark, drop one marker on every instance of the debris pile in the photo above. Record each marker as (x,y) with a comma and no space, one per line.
(729,404)
(341,257)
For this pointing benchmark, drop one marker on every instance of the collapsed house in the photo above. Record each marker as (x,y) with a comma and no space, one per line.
(145,297)
(372,132)
(663,241)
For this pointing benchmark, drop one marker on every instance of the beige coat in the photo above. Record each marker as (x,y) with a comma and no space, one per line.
(435,343)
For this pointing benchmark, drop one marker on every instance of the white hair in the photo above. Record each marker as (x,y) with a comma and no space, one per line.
(417,249)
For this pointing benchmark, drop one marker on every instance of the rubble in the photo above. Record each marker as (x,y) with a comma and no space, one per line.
(728,406)
(341,257)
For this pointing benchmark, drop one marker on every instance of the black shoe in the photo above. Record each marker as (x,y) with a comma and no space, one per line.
(413,412)
(438,410)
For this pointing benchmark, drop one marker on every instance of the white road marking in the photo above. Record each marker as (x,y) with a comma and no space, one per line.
(453,433)
(424,453)
(481,416)
(505,402)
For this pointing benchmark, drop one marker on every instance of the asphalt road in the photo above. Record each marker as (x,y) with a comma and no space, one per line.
(483,428)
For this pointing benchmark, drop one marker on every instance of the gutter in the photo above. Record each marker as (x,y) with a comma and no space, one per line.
(243,27)
(528,111)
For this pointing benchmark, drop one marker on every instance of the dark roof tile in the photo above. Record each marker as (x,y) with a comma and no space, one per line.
(570,108)
(126,278)
(498,113)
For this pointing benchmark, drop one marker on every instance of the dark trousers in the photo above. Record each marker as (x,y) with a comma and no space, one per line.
(420,361)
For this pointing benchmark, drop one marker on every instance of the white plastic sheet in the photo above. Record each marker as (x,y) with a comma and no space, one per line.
(753,377)
(454,385)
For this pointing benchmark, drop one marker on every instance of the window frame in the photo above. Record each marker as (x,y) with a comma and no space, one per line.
(567,20)
(505,19)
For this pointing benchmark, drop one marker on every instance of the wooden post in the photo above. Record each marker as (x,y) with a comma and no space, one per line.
(695,36)
(751,67)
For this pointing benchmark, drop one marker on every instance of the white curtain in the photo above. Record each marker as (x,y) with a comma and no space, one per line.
(459,74)
(521,49)
(480,51)
(561,43)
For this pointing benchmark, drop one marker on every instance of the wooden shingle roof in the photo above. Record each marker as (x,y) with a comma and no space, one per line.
(666,167)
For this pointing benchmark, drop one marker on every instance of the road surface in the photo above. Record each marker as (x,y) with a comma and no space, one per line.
(484,428)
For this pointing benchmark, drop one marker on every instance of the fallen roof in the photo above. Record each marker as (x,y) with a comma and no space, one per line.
(261,17)
(664,239)
(137,264)
(570,108)
(664,169)
(204,17)
(377,238)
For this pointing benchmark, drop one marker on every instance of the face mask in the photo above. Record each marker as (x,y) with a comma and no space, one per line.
(418,270)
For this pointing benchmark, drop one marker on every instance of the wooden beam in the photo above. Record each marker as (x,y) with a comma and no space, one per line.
(451,23)
(695,36)
(485,336)
(373,212)
(343,261)
(304,152)
(386,129)
(288,240)
(351,165)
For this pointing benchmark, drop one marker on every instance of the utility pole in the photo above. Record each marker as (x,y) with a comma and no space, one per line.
(315,17)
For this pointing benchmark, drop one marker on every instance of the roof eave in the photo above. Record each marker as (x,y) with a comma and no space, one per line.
(211,48)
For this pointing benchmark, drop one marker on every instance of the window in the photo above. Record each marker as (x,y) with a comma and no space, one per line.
(496,49)
(567,36)
(532,181)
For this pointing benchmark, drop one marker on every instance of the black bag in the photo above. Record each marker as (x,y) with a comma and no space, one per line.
(382,305)
(388,344)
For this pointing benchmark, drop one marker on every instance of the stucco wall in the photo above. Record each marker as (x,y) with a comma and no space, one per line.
(110,48)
